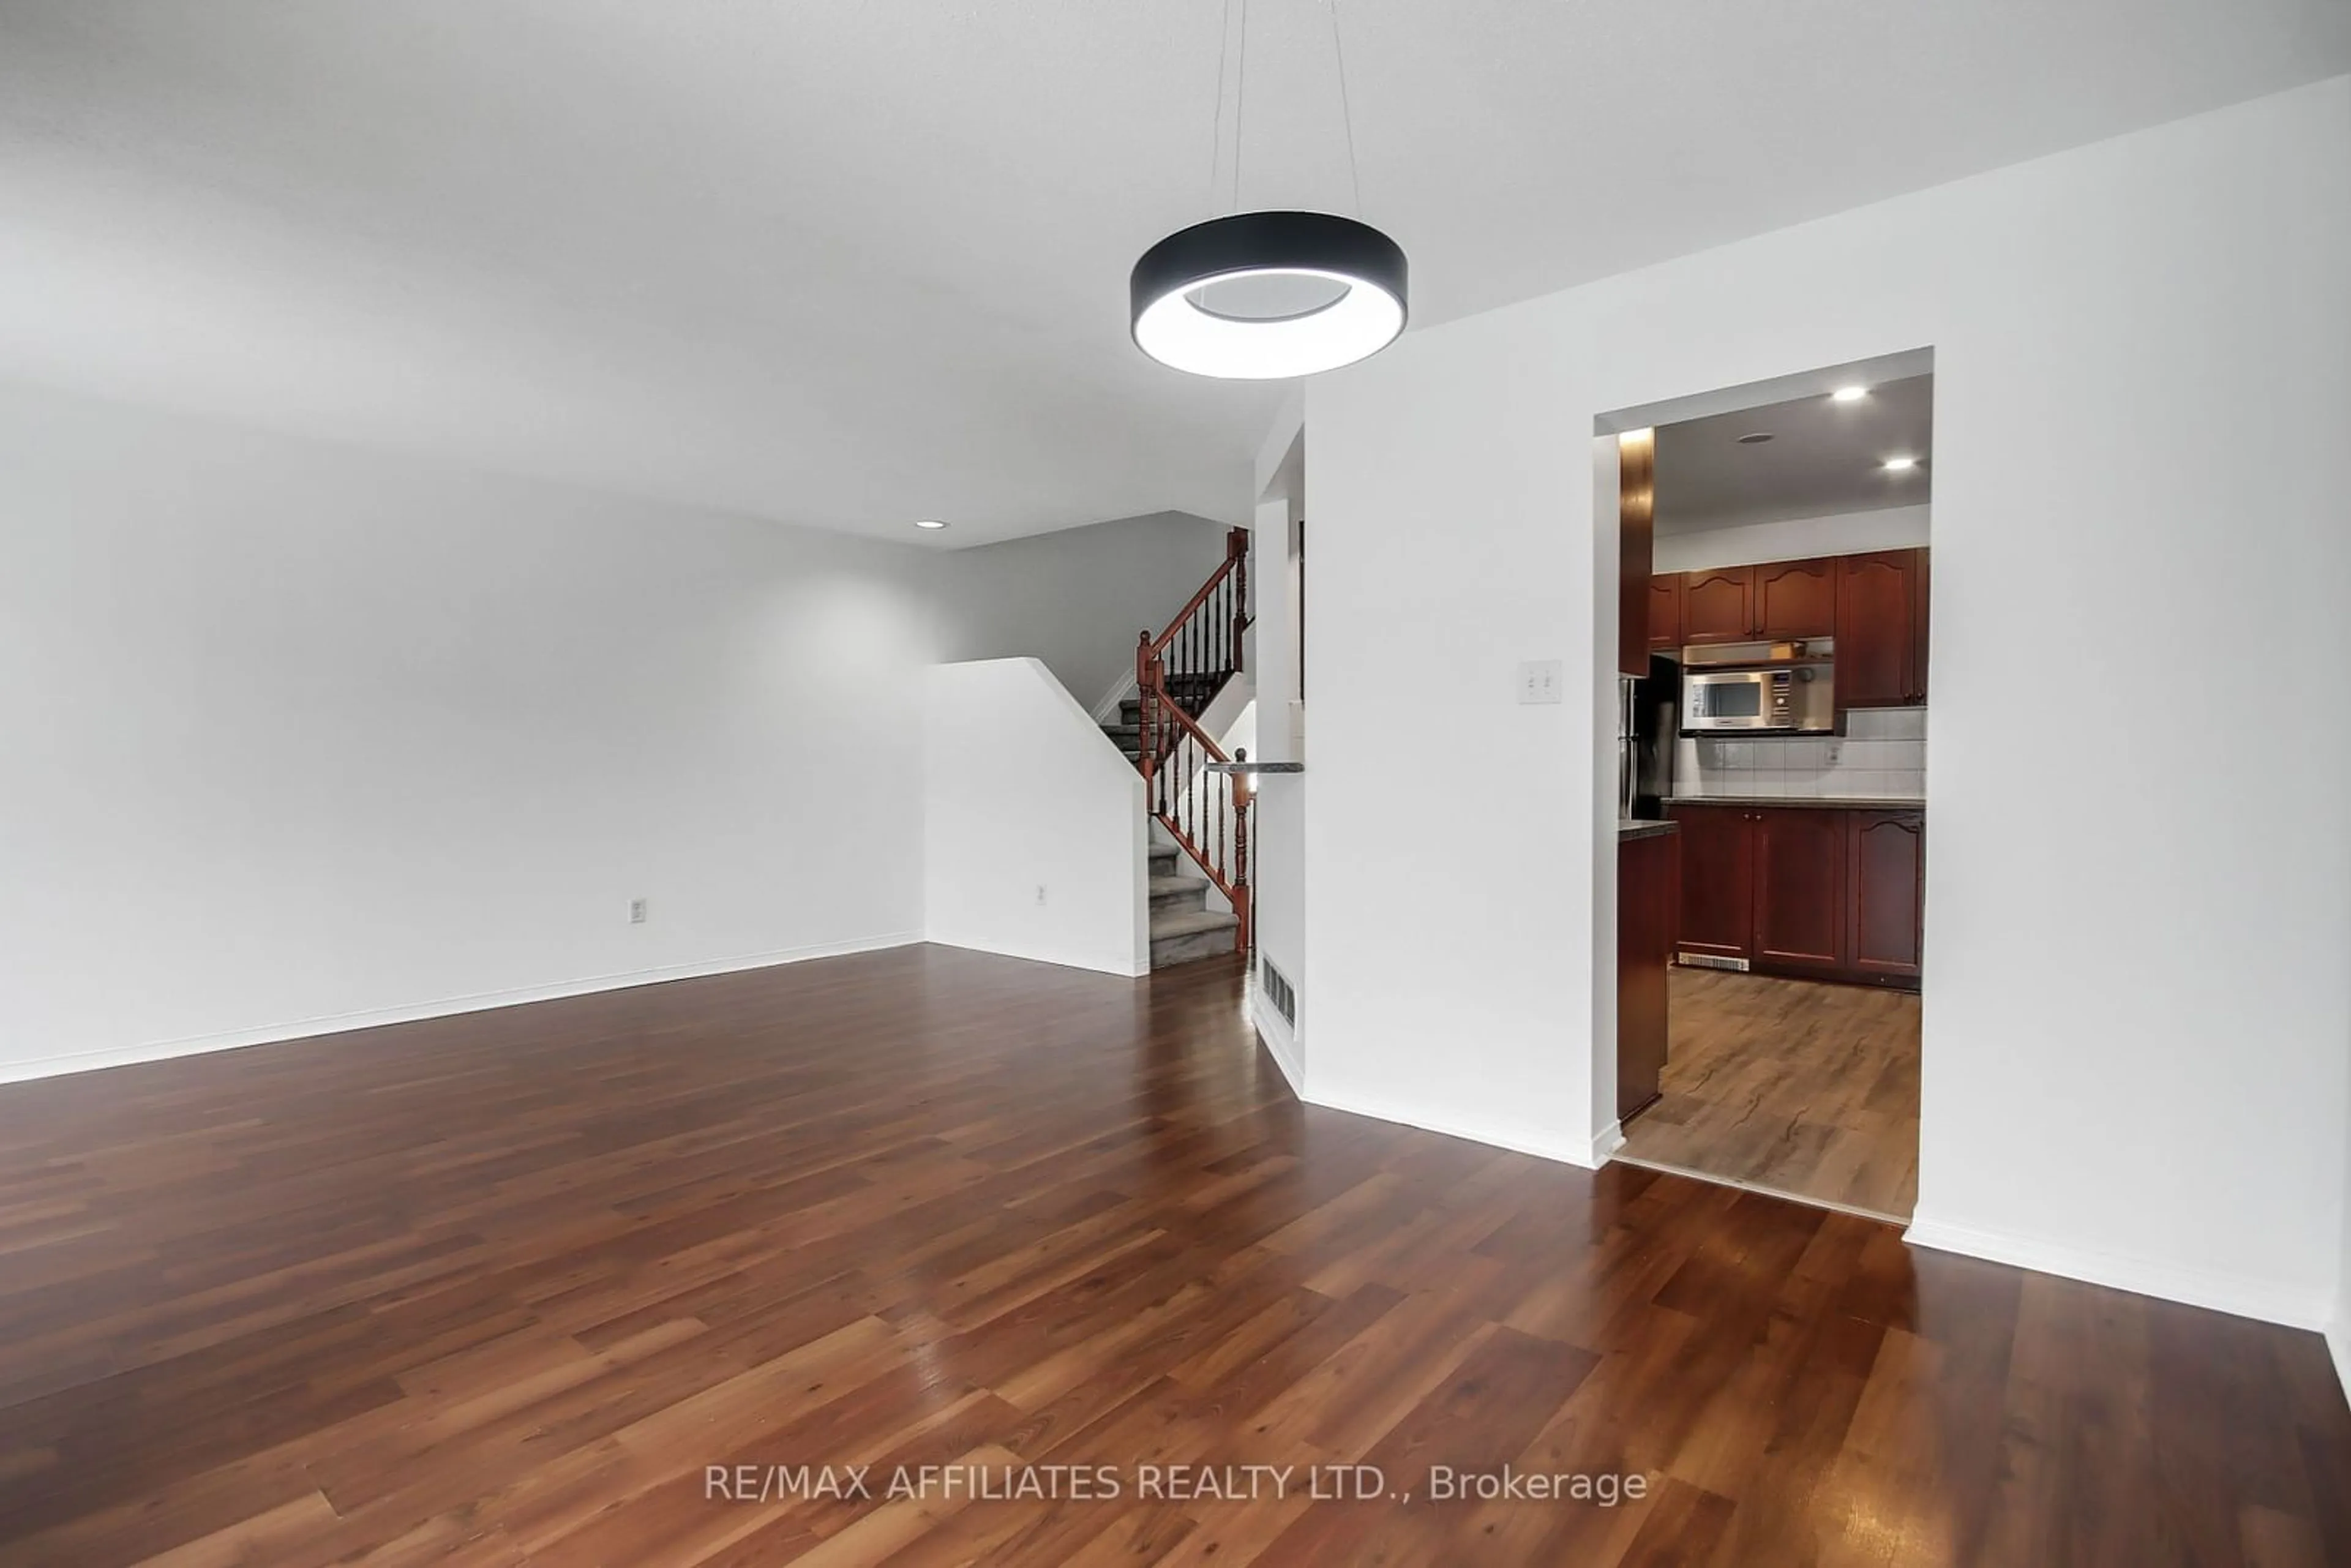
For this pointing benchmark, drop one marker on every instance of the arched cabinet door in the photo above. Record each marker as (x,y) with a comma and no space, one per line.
(1877,629)
(1796,599)
(1666,612)
(1719,606)
(1886,856)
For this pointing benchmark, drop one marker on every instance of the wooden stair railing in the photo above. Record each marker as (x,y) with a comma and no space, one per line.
(1178,674)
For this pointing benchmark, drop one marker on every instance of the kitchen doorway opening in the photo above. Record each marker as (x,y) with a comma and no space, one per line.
(1772,606)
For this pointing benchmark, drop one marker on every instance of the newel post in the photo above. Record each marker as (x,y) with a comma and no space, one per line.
(1145,712)
(1237,544)
(1244,904)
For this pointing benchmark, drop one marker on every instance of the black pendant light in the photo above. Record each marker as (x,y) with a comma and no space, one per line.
(1265,295)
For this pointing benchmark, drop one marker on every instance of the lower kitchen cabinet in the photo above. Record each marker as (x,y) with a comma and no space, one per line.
(1718,897)
(1887,852)
(1819,892)
(1646,884)
(1800,892)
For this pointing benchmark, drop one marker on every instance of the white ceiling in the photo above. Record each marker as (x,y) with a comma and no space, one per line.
(1824,457)
(851,264)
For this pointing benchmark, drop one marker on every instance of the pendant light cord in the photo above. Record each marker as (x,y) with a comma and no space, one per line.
(1217,121)
(1240,104)
(1225,53)
(1346,113)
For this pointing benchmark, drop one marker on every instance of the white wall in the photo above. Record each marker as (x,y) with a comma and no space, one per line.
(1033,826)
(300,737)
(1076,598)
(1792,538)
(2134,1048)
(2338,1327)
(1278,847)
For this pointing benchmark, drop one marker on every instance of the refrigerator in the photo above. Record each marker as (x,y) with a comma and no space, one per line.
(1648,729)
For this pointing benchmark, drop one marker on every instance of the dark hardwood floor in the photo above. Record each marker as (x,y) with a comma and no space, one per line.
(501,1289)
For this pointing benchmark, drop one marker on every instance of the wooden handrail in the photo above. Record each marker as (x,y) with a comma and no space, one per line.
(1208,653)
(1200,736)
(1236,560)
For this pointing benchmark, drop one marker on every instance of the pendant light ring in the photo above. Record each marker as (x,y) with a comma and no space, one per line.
(1176,328)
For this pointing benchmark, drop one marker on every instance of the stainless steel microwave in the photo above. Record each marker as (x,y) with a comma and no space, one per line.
(1775,699)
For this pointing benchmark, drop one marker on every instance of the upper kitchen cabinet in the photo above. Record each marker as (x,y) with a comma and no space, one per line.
(1881,610)
(1719,606)
(1636,471)
(1666,610)
(1795,598)
(1780,600)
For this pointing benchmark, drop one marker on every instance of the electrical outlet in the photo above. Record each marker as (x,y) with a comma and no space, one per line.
(1539,681)
(1836,749)
(1040,893)
(637,911)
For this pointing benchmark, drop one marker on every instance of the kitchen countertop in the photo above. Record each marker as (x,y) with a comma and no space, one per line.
(1847,803)
(1630,827)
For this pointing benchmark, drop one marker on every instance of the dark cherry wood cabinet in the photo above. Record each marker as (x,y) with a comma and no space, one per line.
(1717,881)
(1636,473)
(1648,888)
(1719,606)
(1919,628)
(1666,610)
(1881,629)
(1885,854)
(1796,599)
(1874,604)
(1800,892)
(1819,892)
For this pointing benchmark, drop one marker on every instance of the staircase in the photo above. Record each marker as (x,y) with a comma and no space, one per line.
(1200,820)
(1183,926)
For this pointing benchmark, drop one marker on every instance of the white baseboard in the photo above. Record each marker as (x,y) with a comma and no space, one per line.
(1281,1042)
(2266,1301)
(1517,1141)
(1606,1143)
(1125,965)
(447,1006)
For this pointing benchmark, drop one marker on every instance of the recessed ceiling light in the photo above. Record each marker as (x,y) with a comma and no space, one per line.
(1849,394)
(928,523)
(1755,438)
(1901,464)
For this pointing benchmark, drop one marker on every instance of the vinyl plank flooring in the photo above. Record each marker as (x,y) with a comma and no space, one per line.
(502,1289)
(1794,1086)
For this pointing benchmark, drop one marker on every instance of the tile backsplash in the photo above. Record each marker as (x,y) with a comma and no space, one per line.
(1882,753)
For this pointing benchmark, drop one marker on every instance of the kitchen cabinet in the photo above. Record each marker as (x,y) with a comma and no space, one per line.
(1817,891)
(1778,602)
(1885,852)
(1666,612)
(1718,892)
(1799,887)
(1795,598)
(1647,889)
(1636,470)
(1719,606)
(1874,604)
(1881,629)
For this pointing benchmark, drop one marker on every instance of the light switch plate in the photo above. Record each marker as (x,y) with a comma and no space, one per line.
(1539,681)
